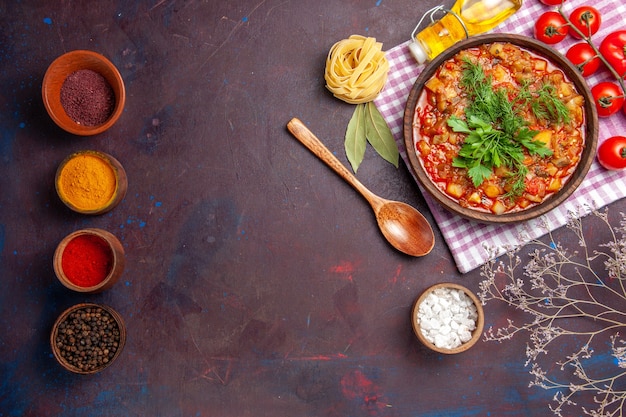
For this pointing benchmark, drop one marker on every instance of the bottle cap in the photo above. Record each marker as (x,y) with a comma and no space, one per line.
(418,52)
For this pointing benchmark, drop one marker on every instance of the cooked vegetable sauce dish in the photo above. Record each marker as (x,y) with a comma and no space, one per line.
(498,128)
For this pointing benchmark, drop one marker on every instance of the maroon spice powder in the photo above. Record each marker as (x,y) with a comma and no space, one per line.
(87,97)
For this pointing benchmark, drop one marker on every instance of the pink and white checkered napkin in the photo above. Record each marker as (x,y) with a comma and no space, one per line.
(468,241)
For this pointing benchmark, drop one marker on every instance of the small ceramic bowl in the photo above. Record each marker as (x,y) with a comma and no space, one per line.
(104,346)
(418,315)
(87,196)
(92,278)
(68,64)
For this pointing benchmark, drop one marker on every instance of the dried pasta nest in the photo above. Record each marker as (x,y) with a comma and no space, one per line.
(356,69)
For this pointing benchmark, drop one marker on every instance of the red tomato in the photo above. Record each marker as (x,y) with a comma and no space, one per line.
(608,97)
(550,28)
(612,49)
(552,2)
(612,153)
(586,19)
(584,58)
(535,186)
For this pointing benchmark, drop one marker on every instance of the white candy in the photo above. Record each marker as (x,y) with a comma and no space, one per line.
(447,317)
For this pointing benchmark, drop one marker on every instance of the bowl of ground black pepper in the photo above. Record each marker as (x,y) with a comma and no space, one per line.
(83,92)
(91,182)
(86,338)
(89,260)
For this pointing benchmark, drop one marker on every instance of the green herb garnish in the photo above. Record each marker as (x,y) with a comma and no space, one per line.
(496,133)
(544,103)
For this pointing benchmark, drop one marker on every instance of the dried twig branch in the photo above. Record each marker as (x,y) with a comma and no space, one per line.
(569,302)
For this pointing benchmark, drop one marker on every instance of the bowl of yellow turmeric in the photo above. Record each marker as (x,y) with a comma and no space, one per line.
(91,182)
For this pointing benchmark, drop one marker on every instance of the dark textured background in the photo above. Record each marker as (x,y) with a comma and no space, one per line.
(257,283)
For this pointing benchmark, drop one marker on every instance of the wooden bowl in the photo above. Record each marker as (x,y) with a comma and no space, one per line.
(476,333)
(591,130)
(108,162)
(117,261)
(56,75)
(65,349)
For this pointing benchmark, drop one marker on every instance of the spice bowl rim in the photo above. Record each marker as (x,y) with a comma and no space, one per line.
(117,266)
(60,69)
(121,182)
(55,327)
(476,333)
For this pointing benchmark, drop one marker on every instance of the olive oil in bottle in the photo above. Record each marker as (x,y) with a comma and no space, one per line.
(466,18)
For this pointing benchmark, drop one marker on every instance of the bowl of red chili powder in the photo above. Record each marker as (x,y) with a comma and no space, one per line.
(89,260)
(83,92)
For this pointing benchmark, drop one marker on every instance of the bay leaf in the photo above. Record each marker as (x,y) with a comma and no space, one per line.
(355,141)
(379,135)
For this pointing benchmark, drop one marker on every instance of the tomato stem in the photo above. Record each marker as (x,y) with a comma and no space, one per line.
(587,39)
(607,101)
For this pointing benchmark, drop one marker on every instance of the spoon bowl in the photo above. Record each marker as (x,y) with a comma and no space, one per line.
(405,228)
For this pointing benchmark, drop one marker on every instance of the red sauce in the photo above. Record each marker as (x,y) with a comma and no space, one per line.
(437,145)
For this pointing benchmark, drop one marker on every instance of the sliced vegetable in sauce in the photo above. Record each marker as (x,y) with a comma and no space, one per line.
(499,128)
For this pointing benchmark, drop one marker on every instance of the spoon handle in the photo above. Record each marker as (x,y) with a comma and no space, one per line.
(308,139)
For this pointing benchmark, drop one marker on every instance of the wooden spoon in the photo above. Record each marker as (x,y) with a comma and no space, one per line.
(402,225)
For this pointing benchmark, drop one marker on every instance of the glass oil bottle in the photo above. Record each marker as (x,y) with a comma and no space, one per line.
(466,18)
